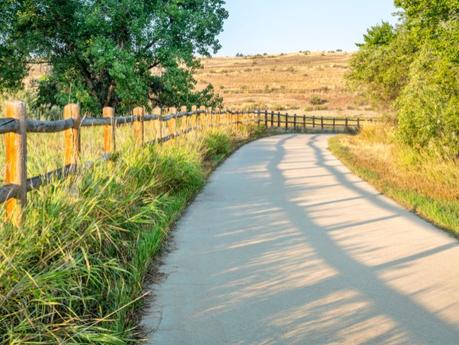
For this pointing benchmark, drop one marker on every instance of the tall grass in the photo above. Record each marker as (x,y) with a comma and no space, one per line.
(74,273)
(421,180)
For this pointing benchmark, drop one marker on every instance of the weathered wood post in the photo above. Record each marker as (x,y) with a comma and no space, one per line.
(72,140)
(313,121)
(334,123)
(286,121)
(139,129)
(210,115)
(16,163)
(192,122)
(322,122)
(346,123)
(173,121)
(294,122)
(266,118)
(358,123)
(109,131)
(203,110)
(304,121)
(183,109)
(279,120)
(158,124)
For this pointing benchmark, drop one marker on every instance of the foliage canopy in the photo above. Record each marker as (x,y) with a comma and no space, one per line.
(414,69)
(110,52)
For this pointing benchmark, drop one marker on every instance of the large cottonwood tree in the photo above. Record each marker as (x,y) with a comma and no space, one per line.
(110,52)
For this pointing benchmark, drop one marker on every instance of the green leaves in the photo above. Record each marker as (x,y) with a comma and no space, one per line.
(379,35)
(413,69)
(104,50)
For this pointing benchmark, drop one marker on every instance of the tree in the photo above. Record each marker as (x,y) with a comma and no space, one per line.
(117,53)
(414,69)
(382,63)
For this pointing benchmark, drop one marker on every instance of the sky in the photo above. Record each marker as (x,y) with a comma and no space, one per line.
(281,26)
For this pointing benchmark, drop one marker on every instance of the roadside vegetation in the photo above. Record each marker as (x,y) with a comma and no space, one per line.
(410,72)
(421,181)
(74,272)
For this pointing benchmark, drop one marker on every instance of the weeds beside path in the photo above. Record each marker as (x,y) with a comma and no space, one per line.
(420,181)
(74,273)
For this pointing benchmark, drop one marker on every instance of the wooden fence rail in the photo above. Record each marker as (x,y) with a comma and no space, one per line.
(167,125)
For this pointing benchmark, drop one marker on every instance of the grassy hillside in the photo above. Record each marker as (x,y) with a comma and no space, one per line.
(311,83)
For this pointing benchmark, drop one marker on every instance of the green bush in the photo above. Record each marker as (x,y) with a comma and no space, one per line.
(217,144)
(429,104)
(412,70)
(317,100)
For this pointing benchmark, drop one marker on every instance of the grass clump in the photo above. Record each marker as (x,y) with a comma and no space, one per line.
(74,272)
(217,145)
(422,181)
(317,100)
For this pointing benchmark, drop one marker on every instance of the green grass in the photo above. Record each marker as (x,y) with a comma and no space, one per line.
(420,181)
(74,273)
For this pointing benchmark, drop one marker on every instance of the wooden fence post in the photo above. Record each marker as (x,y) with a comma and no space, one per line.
(294,122)
(139,130)
(322,122)
(286,121)
(334,124)
(72,140)
(313,121)
(304,121)
(158,124)
(16,163)
(279,120)
(193,117)
(109,131)
(266,118)
(201,116)
(183,109)
(173,121)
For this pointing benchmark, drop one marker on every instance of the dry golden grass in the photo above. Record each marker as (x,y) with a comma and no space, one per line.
(421,181)
(46,150)
(285,82)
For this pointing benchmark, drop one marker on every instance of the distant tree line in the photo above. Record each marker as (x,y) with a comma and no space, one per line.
(110,53)
(413,68)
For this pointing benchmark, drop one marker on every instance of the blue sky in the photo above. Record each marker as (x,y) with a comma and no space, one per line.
(275,26)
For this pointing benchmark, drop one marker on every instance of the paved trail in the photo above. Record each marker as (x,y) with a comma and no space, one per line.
(286,246)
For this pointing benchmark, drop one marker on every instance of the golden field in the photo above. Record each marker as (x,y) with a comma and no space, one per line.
(286,82)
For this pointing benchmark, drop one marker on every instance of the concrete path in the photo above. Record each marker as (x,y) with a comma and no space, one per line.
(286,246)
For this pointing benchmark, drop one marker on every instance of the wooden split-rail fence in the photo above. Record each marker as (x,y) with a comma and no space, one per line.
(16,125)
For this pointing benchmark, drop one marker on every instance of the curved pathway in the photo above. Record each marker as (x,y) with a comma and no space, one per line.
(286,246)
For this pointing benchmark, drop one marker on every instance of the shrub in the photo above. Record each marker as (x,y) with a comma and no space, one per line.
(429,104)
(413,69)
(217,144)
(317,100)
